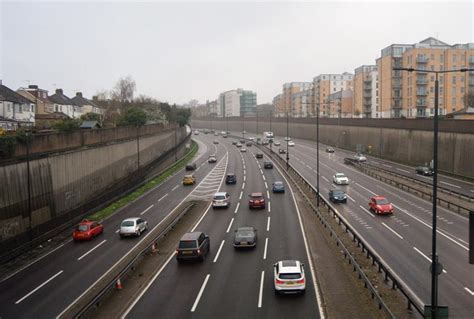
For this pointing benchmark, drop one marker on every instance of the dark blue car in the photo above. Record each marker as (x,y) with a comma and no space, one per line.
(337,196)
(278,187)
(231,179)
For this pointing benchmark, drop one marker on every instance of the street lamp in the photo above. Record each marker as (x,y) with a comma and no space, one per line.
(138,148)
(436,267)
(287,140)
(317,154)
(28,182)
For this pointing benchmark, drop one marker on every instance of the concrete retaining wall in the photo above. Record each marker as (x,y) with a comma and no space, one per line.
(407,145)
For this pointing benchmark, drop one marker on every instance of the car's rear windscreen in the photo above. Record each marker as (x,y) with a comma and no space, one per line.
(290,276)
(187,244)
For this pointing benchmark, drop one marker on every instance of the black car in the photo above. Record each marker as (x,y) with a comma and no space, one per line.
(337,196)
(234,142)
(329,150)
(259,155)
(245,237)
(281,151)
(191,167)
(231,179)
(265,142)
(242,141)
(249,144)
(195,245)
(267,165)
(424,170)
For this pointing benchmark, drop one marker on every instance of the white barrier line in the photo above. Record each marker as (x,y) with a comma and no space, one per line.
(426,257)
(268,223)
(196,302)
(151,206)
(37,288)
(230,225)
(265,249)
(219,250)
(260,294)
(96,246)
(163,197)
(238,205)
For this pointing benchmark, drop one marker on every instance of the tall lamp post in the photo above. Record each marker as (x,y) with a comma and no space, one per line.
(287,140)
(436,268)
(317,154)
(28,182)
(138,148)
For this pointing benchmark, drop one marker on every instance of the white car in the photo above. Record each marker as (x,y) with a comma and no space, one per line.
(291,143)
(252,138)
(360,158)
(132,227)
(287,138)
(221,199)
(276,143)
(243,150)
(223,133)
(340,179)
(288,277)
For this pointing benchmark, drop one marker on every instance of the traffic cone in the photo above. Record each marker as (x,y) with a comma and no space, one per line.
(118,285)
(154,250)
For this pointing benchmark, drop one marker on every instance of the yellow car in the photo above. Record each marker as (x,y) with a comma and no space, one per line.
(189,180)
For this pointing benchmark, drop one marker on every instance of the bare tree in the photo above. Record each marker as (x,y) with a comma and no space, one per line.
(124,89)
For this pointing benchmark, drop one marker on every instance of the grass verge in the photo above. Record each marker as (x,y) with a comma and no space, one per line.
(113,207)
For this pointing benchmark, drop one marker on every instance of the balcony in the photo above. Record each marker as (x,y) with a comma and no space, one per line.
(421,82)
(422,71)
(421,92)
(471,60)
(367,95)
(421,103)
(422,59)
(368,87)
(396,85)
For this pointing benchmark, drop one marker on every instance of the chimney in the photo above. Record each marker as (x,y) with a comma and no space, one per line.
(59,91)
(32,86)
(79,94)
(95,98)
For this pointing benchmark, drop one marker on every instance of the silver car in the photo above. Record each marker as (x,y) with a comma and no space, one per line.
(132,227)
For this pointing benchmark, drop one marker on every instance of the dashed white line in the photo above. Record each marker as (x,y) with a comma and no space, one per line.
(263,176)
(393,231)
(269,206)
(266,185)
(325,179)
(240,197)
(389,166)
(151,206)
(366,189)
(237,207)
(174,188)
(196,302)
(443,182)
(163,197)
(219,250)
(37,288)
(260,294)
(426,257)
(268,194)
(96,246)
(366,211)
(265,249)
(350,198)
(245,177)
(403,170)
(117,231)
(243,185)
(230,224)
(469,291)
(268,223)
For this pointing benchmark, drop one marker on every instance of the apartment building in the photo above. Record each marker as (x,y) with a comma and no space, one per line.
(237,102)
(277,102)
(212,108)
(411,94)
(291,100)
(326,84)
(366,92)
(15,110)
(340,104)
(301,103)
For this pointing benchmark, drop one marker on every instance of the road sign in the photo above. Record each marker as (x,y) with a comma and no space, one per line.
(441,312)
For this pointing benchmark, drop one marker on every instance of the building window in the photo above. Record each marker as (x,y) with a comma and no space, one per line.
(454,79)
(454,58)
(453,102)
(432,57)
(441,90)
(431,89)
(432,68)
(441,78)
(453,90)
(462,89)
(441,57)
(462,78)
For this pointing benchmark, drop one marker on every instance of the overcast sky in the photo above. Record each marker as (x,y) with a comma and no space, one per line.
(180,51)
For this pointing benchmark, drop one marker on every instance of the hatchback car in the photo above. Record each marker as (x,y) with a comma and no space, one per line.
(242,141)
(221,199)
(245,237)
(87,230)
(289,277)
(265,142)
(287,138)
(291,143)
(189,180)
(234,142)
(191,166)
(276,143)
(195,245)
(212,159)
(252,138)
(281,151)
(268,165)
(360,158)
(231,178)
(340,179)
(132,227)
(238,144)
(216,142)
(329,150)
(424,170)
(256,200)
(243,150)
(249,144)
(278,187)
(259,155)
(380,205)
(337,196)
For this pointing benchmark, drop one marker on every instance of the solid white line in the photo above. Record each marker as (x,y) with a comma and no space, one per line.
(266,185)
(393,231)
(387,165)
(240,197)
(163,197)
(260,294)
(403,170)
(366,189)
(220,248)
(366,211)
(426,257)
(230,224)
(469,291)
(174,188)
(146,209)
(450,184)
(200,293)
(238,205)
(325,179)
(96,246)
(350,198)
(265,249)
(37,288)
(269,206)
(268,224)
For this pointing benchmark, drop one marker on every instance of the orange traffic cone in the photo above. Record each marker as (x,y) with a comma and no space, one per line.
(154,250)
(118,285)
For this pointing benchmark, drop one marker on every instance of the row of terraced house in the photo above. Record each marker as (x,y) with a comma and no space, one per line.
(34,107)
(379,91)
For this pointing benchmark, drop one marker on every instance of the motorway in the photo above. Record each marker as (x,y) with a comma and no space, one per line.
(228,283)
(404,239)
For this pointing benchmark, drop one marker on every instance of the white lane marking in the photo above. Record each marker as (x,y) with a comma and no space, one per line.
(366,211)
(469,291)
(450,184)
(375,162)
(35,261)
(426,257)
(151,206)
(245,172)
(268,223)
(325,179)
(196,302)
(265,249)
(245,177)
(393,231)
(260,294)
(268,194)
(220,248)
(163,197)
(269,206)
(366,189)
(230,224)
(117,231)
(266,185)
(472,190)
(389,166)
(430,227)
(238,205)
(350,198)
(174,188)
(263,176)
(37,288)
(403,170)
(96,246)
(240,197)
(243,185)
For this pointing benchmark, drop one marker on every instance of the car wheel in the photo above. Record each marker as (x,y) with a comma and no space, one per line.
(139,233)
(121,237)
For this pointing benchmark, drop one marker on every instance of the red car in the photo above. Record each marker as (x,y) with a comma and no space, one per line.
(87,230)
(380,205)
(256,200)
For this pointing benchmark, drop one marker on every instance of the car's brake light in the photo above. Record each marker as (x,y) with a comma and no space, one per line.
(278,281)
(301,281)
(199,251)
(177,251)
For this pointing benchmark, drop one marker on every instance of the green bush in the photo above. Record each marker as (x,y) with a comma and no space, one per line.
(67,125)
(7,146)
